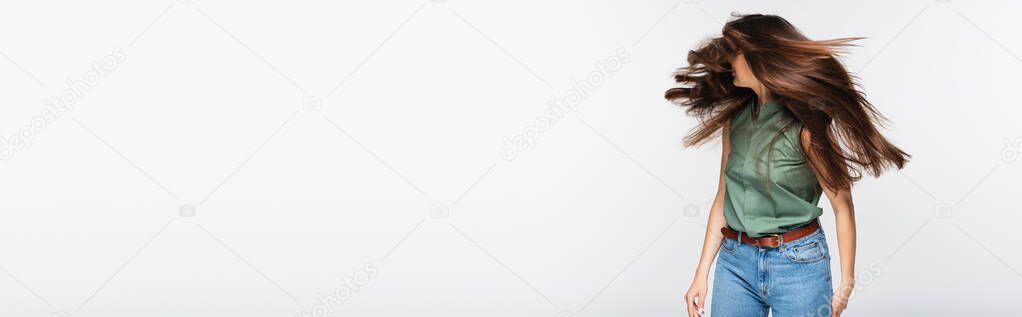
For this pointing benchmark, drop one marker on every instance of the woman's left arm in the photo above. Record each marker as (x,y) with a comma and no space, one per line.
(844,219)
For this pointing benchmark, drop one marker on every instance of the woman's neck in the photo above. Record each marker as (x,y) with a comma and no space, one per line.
(763,95)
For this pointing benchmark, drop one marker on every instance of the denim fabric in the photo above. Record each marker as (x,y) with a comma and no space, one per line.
(792,280)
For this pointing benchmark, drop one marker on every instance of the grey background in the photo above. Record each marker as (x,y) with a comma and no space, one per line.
(213,111)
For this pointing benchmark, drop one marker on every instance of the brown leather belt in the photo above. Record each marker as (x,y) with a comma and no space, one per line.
(773,240)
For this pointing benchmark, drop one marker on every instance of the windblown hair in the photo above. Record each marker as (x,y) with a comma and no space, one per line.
(802,75)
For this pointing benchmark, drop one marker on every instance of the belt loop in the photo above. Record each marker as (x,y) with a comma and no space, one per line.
(739,237)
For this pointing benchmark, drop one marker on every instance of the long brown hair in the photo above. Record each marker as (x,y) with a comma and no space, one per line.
(801,74)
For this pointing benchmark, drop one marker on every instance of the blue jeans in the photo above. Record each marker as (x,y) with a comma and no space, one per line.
(792,280)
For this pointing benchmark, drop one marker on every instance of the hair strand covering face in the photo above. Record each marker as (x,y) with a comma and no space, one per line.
(801,74)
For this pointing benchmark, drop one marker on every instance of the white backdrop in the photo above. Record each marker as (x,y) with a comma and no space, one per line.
(460,158)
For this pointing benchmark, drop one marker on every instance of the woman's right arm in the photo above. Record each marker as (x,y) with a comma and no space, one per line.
(712,239)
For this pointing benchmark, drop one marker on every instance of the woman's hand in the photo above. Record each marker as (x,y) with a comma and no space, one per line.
(840,300)
(695,298)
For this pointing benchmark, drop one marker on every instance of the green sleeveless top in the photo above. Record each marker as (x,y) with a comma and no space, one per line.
(753,203)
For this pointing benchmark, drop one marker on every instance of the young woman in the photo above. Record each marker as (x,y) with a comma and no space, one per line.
(793,126)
